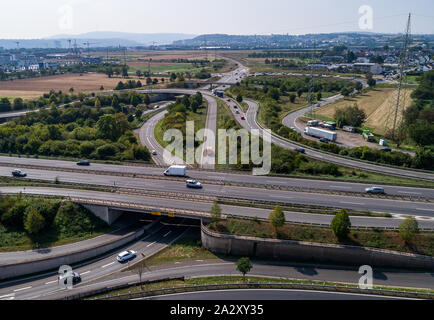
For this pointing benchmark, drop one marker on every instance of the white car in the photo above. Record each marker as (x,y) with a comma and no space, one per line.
(154,152)
(126,255)
(194,184)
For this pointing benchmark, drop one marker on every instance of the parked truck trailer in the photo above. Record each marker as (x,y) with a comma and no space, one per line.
(321,133)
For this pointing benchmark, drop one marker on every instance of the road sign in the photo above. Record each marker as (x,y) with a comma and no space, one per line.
(156,212)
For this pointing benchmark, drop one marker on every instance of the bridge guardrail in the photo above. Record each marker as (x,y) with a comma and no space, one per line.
(252,286)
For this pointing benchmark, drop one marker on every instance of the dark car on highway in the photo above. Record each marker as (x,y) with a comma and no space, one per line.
(300,150)
(76,278)
(83,163)
(324,140)
(19,173)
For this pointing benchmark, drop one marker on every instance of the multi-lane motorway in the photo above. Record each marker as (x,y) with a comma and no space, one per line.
(45,286)
(104,271)
(417,208)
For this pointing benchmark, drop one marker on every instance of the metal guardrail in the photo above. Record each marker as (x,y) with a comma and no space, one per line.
(190,213)
(255,286)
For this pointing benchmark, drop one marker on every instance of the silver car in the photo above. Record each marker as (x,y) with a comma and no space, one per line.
(126,255)
(375,190)
(194,184)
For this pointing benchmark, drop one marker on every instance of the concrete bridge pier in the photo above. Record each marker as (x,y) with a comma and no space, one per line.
(104,213)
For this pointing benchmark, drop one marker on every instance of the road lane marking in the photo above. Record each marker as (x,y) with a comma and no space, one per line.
(431,210)
(85,272)
(50,282)
(7,295)
(342,187)
(26,288)
(359,204)
(151,244)
(107,265)
(167,234)
(409,192)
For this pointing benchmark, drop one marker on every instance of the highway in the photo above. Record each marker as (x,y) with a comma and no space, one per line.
(426,218)
(106,273)
(147,138)
(46,286)
(251,123)
(266,295)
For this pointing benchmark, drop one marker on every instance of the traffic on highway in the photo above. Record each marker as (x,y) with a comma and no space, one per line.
(113,184)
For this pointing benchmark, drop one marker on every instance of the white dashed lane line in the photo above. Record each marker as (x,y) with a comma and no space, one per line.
(22,289)
(167,234)
(151,244)
(108,265)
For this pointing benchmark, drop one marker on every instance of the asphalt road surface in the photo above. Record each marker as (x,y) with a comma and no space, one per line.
(45,286)
(217,176)
(102,274)
(266,295)
(202,206)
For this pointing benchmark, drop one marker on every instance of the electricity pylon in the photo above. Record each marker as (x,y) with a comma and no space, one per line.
(399,106)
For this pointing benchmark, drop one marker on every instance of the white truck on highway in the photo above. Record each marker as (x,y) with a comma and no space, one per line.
(321,133)
(177,171)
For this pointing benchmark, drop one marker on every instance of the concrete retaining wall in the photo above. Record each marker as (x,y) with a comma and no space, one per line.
(53,262)
(311,252)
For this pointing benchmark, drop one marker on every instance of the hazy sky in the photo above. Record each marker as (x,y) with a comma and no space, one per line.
(42,18)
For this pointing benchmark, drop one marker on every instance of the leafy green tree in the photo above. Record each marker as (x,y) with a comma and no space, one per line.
(139,73)
(292,98)
(239,98)
(346,91)
(350,115)
(147,100)
(341,225)
(359,86)
(5,105)
(277,218)
(15,215)
(216,212)
(112,126)
(18,104)
(274,94)
(115,102)
(319,96)
(422,132)
(372,82)
(134,100)
(138,113)
(125,71)
(97,103)
(299,92)
(408,229)
(120,86)
(34,222)
(244,266)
